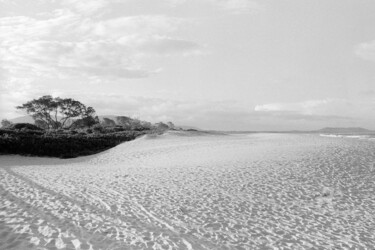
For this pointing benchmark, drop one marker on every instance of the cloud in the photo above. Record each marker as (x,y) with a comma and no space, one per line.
(99,58)
(64,43)
(140,25)
(87,7)
(14,92)
(367,93)
(294,116)
(306,107)
(237,6)
(366,50)
(59,24)
(169,46)
(224,115)
(231,6)
(325,109)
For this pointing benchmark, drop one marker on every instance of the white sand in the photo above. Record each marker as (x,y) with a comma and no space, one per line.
(265,191)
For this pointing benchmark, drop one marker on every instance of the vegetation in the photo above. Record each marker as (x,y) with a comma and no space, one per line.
(23,126)
(66,128)
(56,112)
(62,144)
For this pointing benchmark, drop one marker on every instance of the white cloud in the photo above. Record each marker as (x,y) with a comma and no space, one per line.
(238,6)
(225,115)
(87,7)
(14,92)
(321,109)
(208,114)
(366,50)
(169,46)
(65,43)
(136,25)
(75,41)
(232,6)
(100,57)
(306,107)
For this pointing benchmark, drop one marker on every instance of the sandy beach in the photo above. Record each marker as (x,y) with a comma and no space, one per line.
(183,191)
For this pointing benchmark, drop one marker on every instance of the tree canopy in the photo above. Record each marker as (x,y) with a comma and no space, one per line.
(55,112)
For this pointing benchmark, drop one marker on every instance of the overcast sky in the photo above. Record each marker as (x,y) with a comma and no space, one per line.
(214,64)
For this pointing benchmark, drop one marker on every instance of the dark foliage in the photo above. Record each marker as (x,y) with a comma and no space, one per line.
(62,144)
(24,126)
(85,122)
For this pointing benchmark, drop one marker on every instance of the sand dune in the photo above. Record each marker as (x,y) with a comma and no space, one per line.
(174,191)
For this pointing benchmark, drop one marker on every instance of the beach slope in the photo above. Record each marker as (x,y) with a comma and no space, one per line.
(195,191)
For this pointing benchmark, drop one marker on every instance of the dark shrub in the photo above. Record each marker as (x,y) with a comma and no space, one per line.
(61,145)
(24,126)
(98,128)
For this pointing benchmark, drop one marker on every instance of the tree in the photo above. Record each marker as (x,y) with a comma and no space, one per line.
(5,123)
(108,122)
(68,109)
(91,121)
(85,122)
(88,112)
(56,112)
(88,116)
(41,109)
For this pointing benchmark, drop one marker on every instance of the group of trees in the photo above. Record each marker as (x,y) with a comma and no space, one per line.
(57,113)
(67,128)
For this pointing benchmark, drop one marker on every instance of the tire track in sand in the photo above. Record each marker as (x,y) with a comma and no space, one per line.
(101,228)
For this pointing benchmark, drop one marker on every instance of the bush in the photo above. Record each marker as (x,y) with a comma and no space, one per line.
(60,144)
(98,128)
(24,126)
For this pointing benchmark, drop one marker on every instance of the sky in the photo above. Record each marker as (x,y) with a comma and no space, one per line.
(212,64)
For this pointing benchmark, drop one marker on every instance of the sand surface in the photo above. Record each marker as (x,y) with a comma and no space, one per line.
(259,191)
